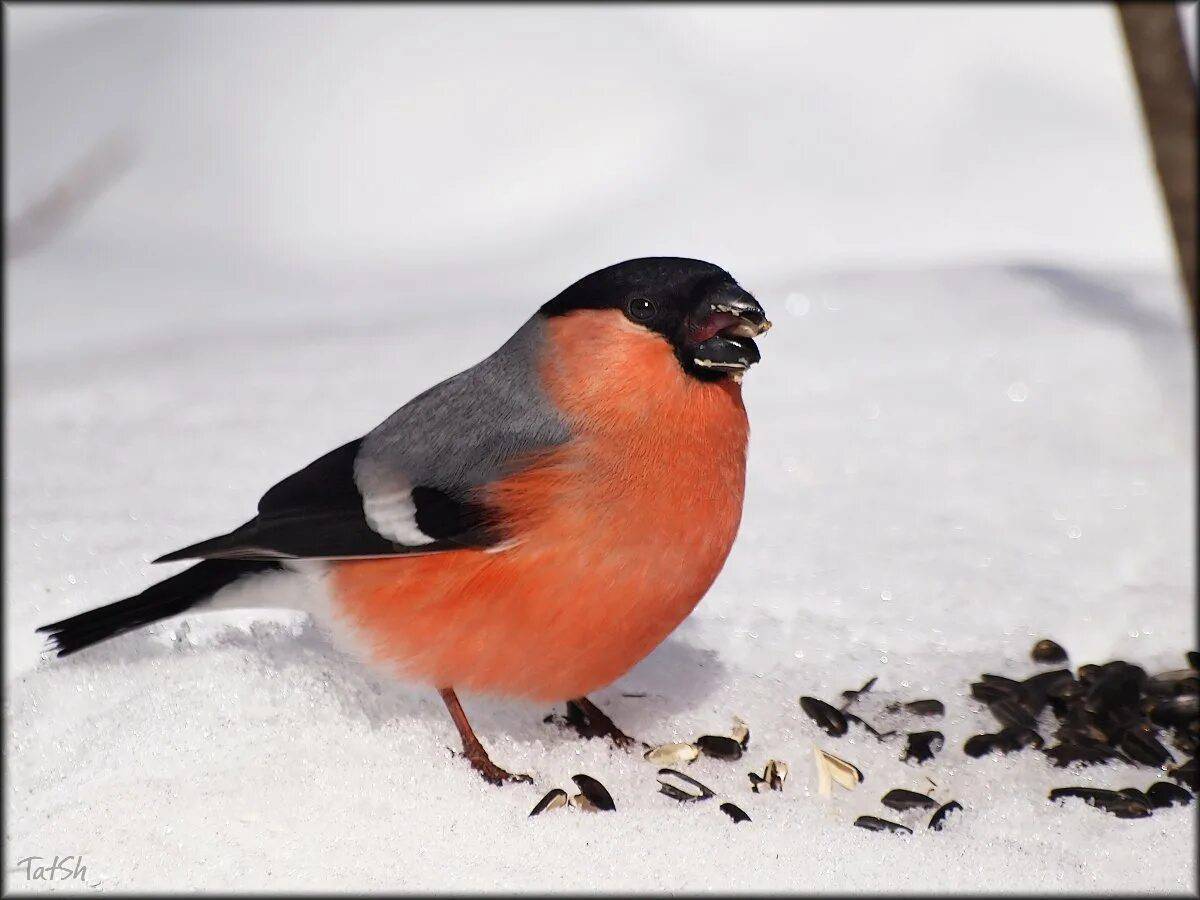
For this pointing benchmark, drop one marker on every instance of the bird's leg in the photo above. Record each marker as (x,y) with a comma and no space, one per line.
(472,749)
(590,721)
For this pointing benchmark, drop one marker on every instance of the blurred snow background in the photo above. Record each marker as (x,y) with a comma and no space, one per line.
(973,425)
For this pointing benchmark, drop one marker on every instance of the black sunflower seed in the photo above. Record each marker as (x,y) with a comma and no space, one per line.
(988,693)
(851,696)
(1120,805)
(1168,684)
(735,812)
(928,707)
(1011,712)
(1184,773)
(595,792)
(1085,754)
(828,719)
(1193,658)
(676,793)
(979,745)
(901,800)
(938,820)
(1046,685)
(1017,738)
(1175,711)
(1145,749)
(719,747)
(922,745)
(1046,651)
(872,823)
(1162,794)
(556,794)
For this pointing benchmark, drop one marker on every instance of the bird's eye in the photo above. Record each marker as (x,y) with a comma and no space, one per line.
(641,310)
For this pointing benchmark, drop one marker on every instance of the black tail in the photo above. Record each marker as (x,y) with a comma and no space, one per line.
(173,595)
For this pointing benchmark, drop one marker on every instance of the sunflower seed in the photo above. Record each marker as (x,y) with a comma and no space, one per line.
(1011,712)
(1015,738)
(1162,794)
(1184,773)
(939,819)
(901,800)
(832,769)
(1193,658)
(922,745)
(592,791)
(734,812)
(719,747)
(1175,711)
(672,754)
(1085,754)
(1178,681)
(985,692)
(1046,651)
(1145,749)
(925,707)
(677,793)
(828,719)
(873,823)
(1121,806)
(553,800)
(979,745)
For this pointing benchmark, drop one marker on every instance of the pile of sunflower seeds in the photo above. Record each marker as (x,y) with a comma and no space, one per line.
(1111,712)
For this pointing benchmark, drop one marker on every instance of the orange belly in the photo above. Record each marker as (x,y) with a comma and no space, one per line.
(615,536)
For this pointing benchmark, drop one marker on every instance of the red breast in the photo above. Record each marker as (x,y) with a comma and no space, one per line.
(615,536)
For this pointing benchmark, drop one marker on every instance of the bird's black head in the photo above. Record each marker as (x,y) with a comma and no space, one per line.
(706,317)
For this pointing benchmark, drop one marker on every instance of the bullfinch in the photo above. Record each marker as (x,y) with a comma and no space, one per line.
(531,527)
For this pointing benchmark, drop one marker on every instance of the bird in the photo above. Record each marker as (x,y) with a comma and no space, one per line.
(530,527)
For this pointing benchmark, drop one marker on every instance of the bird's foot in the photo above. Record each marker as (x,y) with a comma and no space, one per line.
(489,771)
(587,720)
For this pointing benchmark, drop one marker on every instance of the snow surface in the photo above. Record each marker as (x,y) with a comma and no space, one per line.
(948,461)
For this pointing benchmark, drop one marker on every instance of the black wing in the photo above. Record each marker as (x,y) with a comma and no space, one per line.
(318,513)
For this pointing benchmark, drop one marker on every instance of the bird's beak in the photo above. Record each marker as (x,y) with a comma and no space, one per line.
(723,330)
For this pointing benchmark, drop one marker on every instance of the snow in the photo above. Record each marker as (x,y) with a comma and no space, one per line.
(969,431)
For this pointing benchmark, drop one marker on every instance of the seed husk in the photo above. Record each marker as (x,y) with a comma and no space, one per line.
(928,707)
(832,769)
(1184,773)
(1145,749)
(901,800)
(939,819)
(677,793)
(851,696)
(922,746)
(1177,681)
(774,775)
(553,800)
(874,823)
(828,718)
(719,747)
(1163,794)
(1064,754)
(1016,738)
(1120,805)
(870,729)
(979,745)
(1047,651)
(741,732)
(1175,711)
(1010,712)
(734,812)
(672,754)
(596,794)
